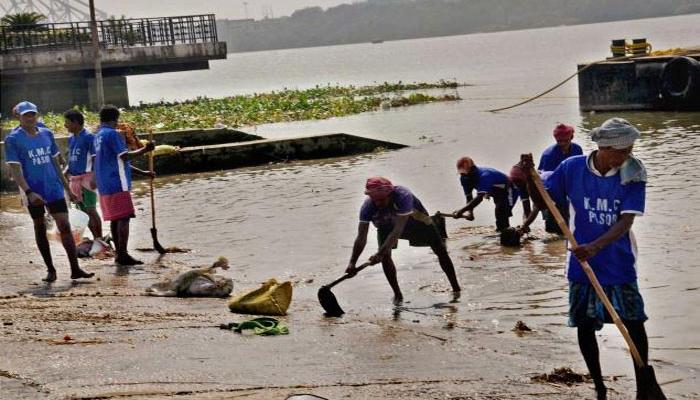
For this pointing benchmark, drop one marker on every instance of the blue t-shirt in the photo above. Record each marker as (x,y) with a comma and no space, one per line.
(34,154)
(80,152)
(403,202)
(488,180)
(596,204)
(113,175)
(552,156)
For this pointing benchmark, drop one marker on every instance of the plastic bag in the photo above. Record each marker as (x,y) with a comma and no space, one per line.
(272,298)
(78,222)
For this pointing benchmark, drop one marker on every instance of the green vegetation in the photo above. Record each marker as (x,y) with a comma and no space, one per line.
(22,21)
(320,102)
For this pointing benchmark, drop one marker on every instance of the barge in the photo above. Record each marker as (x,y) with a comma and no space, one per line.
(644,82)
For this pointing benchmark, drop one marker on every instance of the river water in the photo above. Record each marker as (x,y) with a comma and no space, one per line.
(298,220)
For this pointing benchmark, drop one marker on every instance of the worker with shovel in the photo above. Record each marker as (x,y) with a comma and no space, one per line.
(488,183)
(113,175)
(397,214)
(606,190)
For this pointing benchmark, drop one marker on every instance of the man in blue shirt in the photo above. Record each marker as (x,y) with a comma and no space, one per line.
(606,190)
(398,214)
(551,157)
(488,182)
(79,168)
(31,154)
(113,175)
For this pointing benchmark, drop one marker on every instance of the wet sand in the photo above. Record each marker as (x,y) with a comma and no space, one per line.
(125,345)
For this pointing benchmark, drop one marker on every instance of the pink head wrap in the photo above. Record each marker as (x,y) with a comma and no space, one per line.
(378,187)
(563,132)
(464,165)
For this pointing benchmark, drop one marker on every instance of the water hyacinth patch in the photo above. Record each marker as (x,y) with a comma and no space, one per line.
(320,102)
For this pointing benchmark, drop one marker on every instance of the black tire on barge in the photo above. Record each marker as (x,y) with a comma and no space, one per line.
(680,84)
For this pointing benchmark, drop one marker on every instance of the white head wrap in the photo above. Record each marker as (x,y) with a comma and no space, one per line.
(616,133)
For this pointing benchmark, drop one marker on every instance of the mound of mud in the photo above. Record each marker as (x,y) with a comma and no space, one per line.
(563,375)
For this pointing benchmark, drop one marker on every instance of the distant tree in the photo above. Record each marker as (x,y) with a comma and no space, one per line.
(28,21)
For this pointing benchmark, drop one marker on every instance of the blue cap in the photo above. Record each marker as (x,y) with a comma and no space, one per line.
(25,107)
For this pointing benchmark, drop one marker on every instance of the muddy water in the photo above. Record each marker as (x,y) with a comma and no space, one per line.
(297,221)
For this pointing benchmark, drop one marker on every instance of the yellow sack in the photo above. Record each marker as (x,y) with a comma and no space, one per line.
(162,149)
(271,298)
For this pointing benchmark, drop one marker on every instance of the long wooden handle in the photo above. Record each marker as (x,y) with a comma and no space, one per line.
(150,169)
(347,276)
(450,215)
(587,268)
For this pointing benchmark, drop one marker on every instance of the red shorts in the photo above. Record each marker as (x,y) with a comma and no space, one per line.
(117,206)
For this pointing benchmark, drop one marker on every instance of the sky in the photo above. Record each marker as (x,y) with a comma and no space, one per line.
(231,9)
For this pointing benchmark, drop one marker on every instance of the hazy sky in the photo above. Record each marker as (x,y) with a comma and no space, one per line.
(222,8)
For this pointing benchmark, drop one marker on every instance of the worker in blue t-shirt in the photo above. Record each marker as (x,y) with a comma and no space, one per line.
(551,157)
(488,182)
(79,168)
(606,190)
(31,154)
(113,178)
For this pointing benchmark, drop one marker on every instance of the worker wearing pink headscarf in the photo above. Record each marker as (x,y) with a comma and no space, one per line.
(553,155)
(398,214)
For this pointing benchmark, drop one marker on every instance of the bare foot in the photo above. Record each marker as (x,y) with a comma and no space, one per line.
(50,276)
(127,260)
(456,294)
(398,300)
(79,274)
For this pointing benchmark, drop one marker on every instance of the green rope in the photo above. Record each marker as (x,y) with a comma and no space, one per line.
(264,326)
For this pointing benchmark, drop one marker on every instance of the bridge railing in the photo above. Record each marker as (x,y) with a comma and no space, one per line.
(133,32)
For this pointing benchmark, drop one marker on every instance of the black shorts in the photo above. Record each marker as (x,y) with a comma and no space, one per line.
(417,233)
(58,206)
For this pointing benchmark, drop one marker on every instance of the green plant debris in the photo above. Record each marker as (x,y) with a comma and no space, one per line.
(320,102)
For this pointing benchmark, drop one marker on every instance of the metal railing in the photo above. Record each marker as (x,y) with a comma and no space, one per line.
(134,32)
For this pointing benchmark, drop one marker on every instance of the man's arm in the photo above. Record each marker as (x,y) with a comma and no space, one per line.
(62,177)
(62,163)
(143,173)
(17,175)
(358,246)
(530,219)
(471,204)
(527,209)
(135,153)
(622,226)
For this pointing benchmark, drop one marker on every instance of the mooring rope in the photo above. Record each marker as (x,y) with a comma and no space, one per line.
(621,58)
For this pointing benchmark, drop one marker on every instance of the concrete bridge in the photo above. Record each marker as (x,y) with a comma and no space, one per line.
(53,64)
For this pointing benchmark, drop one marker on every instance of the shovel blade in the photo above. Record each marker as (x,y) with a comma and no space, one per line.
(329,302)
(650,389)
(156,244)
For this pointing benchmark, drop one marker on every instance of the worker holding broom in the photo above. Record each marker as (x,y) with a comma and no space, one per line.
(397,214)
(606,190)
(113,175)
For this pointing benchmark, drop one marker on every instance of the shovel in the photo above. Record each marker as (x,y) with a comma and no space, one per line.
(154,232)
(327,298)
(452,215)
(649,387)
